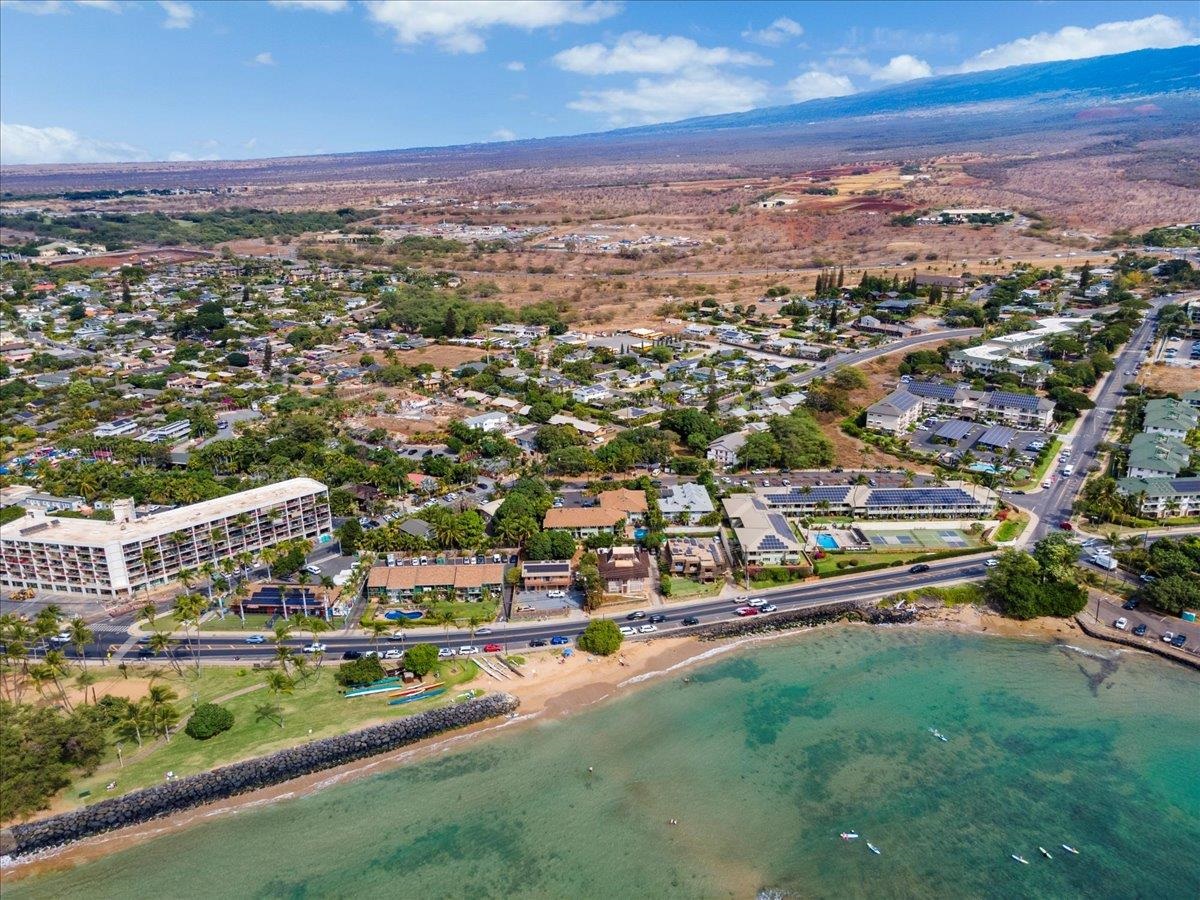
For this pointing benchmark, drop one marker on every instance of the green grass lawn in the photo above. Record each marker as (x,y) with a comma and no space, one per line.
(689,589)
(956,595)
(316,709)
(1010,529)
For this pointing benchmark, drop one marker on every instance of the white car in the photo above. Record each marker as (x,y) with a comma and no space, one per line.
(554,595)
(648,629)
(445,652)
(1121,624)
(467,650)
(393,654)
(627,631)
(313,570)
(991,562)
(315,647)
(756,602)
(770,608)
(479,631)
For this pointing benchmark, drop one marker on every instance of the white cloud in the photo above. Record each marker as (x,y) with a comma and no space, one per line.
(30,144)
(650,53)
(263,59)
(814,85)
(1073,42)
(179,14)
(504,134)
(663,100)
(179,156)
(515,66)
(52,7)
(902,68)
(458,26)
(778,32)
(325,6)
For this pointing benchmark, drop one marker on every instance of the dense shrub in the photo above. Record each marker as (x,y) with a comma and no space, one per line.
(421,658)
(208,720)
(602,637)
(360,671)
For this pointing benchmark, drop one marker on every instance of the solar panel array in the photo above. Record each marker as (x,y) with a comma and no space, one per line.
(770,542)
(954,429)
(920,497)
(828,493)
(1017,401)
(997,436)
(937,389)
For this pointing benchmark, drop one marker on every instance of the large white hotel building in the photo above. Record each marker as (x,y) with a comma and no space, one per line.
(114,559)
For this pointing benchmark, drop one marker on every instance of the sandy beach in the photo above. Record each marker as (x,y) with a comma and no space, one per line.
(554,687)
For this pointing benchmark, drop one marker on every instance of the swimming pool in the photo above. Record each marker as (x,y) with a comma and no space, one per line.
(397,614)
(826,542)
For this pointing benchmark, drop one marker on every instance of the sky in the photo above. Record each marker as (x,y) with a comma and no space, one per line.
(114,80)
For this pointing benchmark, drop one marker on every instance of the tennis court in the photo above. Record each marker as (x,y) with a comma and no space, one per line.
(919,539)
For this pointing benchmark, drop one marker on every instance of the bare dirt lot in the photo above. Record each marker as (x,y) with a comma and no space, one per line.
(1172,379)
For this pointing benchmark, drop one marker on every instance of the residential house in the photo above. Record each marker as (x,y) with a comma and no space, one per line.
(630,503)
(698,558)
(625,570)
(419,584)
(1173,418)
(584,521)
(687,502)
(545,575)
(489,421)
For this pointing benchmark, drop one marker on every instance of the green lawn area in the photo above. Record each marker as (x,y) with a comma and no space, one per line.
(316,709)
(689,589)
(233,622)
(484,611)
(1010,529)
(828,565)
(956,595)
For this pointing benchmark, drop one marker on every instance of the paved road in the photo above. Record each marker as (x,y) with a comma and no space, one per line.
(859,357)
(1053,506)
(517,635)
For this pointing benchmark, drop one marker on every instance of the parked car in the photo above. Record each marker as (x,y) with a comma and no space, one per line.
(1139,630)
(918,569)
(467,650)
(445,652)
(351,654)
(1066,526)
(256,639)
(1121,624)
(690,620)
(394,653)
(491,648)
(313,570)
(991,562)
(537,642)
(558,640)
(396,636)
(1179,640)
(556,595)
(648,629)
(627,630)
(1168,636)
(1130,604)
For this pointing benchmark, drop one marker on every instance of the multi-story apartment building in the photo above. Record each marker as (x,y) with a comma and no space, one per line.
(1157,456)
(763,535)
(417,584)
(115,559)
(1014,353)
(954,500)
(909,403)
(1173,418)
(1163,498)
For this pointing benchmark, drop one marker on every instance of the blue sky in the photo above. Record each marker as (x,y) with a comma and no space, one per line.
(101,80)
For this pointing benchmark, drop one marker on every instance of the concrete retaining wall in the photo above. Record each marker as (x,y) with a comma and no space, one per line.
(252,774)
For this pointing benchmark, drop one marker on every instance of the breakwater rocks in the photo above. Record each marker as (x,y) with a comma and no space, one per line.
(252,774)
(808,618)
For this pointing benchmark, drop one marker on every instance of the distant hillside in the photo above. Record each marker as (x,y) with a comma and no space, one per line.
(1145,94)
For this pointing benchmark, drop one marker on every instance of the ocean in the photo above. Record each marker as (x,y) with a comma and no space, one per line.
(762,758)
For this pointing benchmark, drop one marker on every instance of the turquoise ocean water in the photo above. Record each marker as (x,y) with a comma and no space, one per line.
(762,756)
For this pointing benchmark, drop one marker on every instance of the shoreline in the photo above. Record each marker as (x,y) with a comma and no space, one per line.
(551,690)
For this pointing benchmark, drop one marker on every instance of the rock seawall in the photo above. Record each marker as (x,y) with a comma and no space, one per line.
(250,775)
(808,618)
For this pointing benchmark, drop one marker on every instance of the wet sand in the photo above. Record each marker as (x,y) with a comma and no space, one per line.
(551,688)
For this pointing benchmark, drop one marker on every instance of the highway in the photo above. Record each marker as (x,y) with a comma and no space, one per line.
(858,357)
(517,636)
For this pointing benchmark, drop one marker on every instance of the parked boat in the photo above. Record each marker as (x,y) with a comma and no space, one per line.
(1069,849)
(873,848)
(1045,852)
(937,734)
(414,697)
(849,836)
(1022,860)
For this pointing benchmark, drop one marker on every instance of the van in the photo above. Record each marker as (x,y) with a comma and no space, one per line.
(1068,469)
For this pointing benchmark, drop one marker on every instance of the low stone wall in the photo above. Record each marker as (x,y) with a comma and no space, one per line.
(250,775)
(807,618)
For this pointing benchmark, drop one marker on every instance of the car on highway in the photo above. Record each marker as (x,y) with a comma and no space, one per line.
(769,608)
(747,610)
(1121,624)
(1066,526)
(658,618)
(1139,629)
(481,631)
(352,654)
(635,615)
(757,601)
(1046,483)
(256,639)
(991,562)
(395,636)
(445,652)
(315,647)
(558,640)
(918,569)
(648,629)
(491,648)
(689,620)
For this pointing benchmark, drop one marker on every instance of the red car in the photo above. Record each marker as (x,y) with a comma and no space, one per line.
(747,610)
(492,648)
(1066,526)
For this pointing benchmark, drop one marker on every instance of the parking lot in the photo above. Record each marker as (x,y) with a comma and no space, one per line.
(832,476)
(1180,352)
(991,445)
(541,603)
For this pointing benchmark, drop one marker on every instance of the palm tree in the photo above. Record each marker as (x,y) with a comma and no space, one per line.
(378,629)
(188,609)
(160,642)
(147,613)
(131,718)
(81,636)
(279,683)
(55,662)
(85,680)
(209,570)
(270,556)
(162,713)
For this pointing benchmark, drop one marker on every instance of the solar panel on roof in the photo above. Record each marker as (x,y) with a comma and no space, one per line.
(954,429)
(920,497)
(997,436)
(770,542)
(1018,401)
(829,493)
(938,389)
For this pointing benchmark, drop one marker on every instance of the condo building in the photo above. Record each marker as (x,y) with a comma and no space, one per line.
(115,559)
